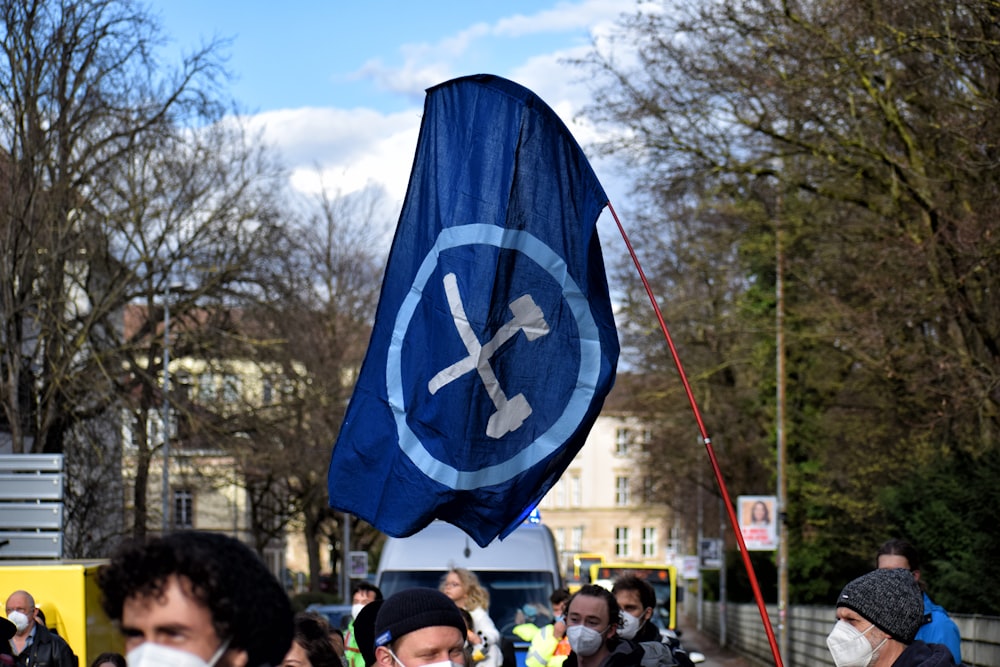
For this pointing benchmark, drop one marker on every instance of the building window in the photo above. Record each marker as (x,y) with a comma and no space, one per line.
(622,436)
(577,539)
(621,541)
(183,509)
(230,388)
(649,541)
(206,387)
(561,539)
(621,491)
(561,493)
(576,491)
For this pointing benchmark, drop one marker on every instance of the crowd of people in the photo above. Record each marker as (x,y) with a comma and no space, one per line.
(195,599)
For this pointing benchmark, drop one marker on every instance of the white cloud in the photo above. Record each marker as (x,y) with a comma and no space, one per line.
(348,149)
(345,149)
(563,17)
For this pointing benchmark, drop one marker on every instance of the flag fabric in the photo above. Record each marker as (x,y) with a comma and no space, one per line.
(494,342)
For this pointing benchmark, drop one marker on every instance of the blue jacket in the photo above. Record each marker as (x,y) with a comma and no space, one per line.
(940,629)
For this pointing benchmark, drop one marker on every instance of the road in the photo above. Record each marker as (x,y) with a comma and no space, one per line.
(714,654)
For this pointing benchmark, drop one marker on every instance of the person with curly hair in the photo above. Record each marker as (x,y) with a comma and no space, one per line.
(196,599)
(464,589)
(311,645)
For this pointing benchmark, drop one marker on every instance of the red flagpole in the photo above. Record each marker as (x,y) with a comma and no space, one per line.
(708,447)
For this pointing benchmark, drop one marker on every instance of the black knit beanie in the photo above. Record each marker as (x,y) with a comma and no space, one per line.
(364,630)
(413,609)
(891,599)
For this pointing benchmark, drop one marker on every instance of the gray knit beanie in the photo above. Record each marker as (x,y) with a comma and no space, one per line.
(891,599)
(413,609)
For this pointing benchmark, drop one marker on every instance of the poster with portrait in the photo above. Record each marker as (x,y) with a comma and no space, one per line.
(357,564)
(758,520)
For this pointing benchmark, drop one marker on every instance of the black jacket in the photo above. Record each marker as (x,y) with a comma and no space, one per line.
(919,654)
(624,654)
(47,650)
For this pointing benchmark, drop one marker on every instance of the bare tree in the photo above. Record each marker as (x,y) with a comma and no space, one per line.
(191,219)
(79,91)
(324,316)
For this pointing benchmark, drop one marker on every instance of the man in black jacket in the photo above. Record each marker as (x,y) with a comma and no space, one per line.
(637,600)
(878,615)
(33,645)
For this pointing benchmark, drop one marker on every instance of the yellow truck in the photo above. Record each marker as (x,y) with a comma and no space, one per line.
(67,593)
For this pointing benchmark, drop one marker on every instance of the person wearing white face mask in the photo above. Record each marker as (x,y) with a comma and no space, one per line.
(196,599)
(33,643)
(878,615)
(593,619)
(363,593)
(419,627)
(637,600)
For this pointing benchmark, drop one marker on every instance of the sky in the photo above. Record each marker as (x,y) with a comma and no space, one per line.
(338,87)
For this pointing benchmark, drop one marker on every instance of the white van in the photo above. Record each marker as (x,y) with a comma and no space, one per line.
(521,569)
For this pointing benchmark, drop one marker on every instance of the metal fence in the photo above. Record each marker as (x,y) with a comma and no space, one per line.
(31,505)
(809,627)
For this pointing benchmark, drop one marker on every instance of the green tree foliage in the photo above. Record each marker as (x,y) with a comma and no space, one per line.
(951,510)
(867,135)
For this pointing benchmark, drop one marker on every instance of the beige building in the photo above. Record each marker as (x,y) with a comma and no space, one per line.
(599,505)
(206,487)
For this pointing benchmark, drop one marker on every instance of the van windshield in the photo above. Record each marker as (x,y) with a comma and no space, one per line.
(509,593)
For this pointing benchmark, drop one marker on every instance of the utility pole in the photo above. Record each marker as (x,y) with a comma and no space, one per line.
(166,409)
(781,525)
(345,572)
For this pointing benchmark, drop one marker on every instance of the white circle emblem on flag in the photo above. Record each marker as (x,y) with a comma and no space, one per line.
(587,376)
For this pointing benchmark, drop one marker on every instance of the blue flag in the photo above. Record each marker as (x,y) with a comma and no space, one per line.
(494,343)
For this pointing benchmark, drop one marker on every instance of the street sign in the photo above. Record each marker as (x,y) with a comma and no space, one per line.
(358,564)
(710,554)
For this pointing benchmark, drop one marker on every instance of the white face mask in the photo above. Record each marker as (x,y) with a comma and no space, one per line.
(583,640)
(19,619)
(441,663)
(149,654)
(630,625)
(849,646)
(356,609)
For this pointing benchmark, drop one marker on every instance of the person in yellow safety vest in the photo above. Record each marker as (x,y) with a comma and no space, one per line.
(363,593)
(526,622)
(549,646)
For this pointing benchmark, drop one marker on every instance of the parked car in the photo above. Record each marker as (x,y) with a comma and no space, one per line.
(339,615)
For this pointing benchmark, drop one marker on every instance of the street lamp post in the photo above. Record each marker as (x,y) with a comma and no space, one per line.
(166,410)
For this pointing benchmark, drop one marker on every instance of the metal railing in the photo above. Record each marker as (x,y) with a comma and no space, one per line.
(809,626)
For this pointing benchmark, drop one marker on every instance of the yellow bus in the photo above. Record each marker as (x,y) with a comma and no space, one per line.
(580,575)
(662,577)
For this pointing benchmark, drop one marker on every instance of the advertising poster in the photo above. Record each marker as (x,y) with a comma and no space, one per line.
(757,518)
